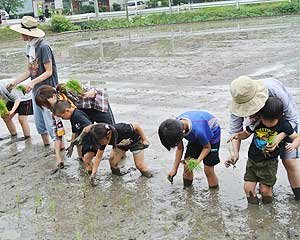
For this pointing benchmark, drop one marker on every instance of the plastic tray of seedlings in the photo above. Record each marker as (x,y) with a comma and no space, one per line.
(3,109)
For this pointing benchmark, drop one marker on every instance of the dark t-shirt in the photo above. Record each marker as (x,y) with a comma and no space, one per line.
(79,120)
(263,136)
(126,136)
(43,55)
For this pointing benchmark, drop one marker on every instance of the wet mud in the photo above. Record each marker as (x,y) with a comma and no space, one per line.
(151,74)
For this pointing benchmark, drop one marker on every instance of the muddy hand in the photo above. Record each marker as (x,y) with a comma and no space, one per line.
(92,180)
(10,86)
(69,150)
(170,178)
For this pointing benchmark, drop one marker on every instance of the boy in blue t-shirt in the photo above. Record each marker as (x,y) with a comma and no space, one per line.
(202,131)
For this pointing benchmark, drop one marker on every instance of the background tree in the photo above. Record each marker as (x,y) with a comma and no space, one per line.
(10,6)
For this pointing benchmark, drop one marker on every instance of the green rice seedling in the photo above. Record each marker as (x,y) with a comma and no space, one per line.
(2,169)
(192,164)
(37,201)
(271,140)
(78,236)
(21,88)
(3,109)
(74,86)
(18,202)
(52,208)
(91,230)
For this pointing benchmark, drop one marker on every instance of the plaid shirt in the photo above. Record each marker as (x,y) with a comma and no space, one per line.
(99,103)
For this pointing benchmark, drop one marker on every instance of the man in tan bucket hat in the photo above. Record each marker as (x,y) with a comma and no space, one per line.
(248,98)
(41,68)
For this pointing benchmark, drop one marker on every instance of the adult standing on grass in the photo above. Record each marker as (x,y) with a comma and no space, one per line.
(248,98)
(41,68)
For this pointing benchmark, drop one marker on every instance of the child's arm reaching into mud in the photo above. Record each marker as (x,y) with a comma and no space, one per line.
(295,143)
(97,161)
(178,156)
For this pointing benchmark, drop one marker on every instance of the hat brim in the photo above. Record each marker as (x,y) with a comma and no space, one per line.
(36,32)
(255,104)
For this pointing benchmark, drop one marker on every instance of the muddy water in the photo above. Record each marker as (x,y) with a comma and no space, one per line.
(151,74)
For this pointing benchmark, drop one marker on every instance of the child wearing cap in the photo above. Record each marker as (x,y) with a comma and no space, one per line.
(17,103)
(272,130)
(202,131)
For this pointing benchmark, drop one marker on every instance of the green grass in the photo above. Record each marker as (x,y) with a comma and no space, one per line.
(60,24)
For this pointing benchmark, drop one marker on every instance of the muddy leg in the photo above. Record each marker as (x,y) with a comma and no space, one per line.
(87,160)
(187,177)
(296,192)
(249,188)
(267,194)
(140,164)
(24,125)
(114,159)
(292,167)
(10,126)
(211,176)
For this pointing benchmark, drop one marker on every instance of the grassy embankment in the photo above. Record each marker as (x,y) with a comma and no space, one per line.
(60,24)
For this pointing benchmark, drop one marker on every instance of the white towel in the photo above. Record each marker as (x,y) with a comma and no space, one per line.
(30,49)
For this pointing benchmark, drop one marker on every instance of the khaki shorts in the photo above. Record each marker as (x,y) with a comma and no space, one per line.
(263,172)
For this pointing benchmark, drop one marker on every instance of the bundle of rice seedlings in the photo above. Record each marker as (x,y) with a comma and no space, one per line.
(270,142)
(192,164)
(74,86)
(3,108)
(271,139)
(21,88)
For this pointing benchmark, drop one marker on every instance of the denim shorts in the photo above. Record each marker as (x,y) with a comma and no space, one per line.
(43,120)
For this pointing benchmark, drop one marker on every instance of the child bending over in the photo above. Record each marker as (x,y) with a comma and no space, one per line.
(17,103)
(122,137)
(202,131)
(79,120)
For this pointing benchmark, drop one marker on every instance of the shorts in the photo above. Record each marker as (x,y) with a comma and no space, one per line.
(287,155)
(24,109)
(263,172)
(100,117)
(193,150)
(135,147)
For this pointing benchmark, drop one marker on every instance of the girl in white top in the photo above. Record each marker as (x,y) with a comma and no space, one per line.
(16,102)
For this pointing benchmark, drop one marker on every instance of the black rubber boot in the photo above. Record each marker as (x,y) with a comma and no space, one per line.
(296,192)
(267,199)
(252,200)
(147,174)
(187,183)
(117,171)
(214,187)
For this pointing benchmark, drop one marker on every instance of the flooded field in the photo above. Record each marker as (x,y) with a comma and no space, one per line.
(151,74)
